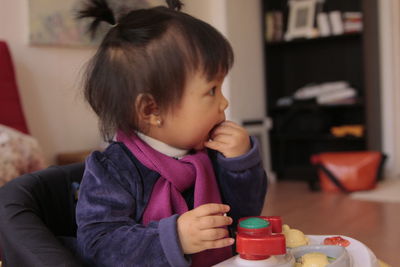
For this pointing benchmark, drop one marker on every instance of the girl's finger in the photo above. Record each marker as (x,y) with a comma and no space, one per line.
(214,234)
(210,209)
(222,138)
(233,125)
(223,129)
(209,222)
(227,130)
(214,145)
(219,243)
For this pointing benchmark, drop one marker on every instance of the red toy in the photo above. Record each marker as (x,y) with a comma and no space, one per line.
(260,237)
(336,240)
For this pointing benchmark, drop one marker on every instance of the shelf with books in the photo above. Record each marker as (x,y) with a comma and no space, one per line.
(287,20)
(300,63)
(356,105)
(290,68)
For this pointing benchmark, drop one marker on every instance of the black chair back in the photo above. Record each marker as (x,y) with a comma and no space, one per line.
(37,212)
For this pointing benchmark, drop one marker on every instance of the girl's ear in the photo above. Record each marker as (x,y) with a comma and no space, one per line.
(147,111)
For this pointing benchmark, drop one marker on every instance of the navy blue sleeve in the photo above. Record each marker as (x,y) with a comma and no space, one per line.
(108,233)
(243,182)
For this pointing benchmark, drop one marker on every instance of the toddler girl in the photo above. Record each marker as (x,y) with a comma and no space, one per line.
(158,194)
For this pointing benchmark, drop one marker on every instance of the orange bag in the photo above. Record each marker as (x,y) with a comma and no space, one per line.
(348,171)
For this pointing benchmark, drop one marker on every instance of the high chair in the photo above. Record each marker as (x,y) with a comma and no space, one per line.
(37,218)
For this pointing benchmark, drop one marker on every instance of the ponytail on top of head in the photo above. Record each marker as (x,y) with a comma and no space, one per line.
(174,4)
(100,11)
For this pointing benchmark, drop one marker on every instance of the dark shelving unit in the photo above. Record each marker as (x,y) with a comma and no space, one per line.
(345,36)
(303,128)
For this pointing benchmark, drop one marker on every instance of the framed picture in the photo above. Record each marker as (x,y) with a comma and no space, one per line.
(301,19)
(260,129)
(53,22)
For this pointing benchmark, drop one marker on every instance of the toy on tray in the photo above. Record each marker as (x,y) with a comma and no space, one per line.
(264,242)
(294,238)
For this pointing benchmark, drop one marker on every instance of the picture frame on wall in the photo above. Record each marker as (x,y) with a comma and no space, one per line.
(301,19)
(55,23)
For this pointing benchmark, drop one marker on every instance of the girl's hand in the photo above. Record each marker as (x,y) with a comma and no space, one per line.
(230,139)
(202,228)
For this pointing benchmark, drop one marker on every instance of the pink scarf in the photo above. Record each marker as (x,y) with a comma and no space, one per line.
(177,176)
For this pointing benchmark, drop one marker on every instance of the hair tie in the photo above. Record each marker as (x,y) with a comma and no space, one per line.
(99,11)
(175,4)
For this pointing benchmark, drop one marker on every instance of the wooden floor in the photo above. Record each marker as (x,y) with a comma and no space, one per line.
(375,224)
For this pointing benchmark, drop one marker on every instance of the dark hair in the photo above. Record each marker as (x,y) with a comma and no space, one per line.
(148,51)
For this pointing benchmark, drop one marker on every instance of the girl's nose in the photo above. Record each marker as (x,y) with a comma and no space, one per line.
(224,103)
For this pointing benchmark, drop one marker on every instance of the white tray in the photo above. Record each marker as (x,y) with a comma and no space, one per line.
(360,254)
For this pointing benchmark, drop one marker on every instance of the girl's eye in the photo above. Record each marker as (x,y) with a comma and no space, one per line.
(212,91)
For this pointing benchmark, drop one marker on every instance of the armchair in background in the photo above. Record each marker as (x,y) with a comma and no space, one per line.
(11,112)
(20,152)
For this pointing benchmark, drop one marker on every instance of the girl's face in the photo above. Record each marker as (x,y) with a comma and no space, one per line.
(202,107)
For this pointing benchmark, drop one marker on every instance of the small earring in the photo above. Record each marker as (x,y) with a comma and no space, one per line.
(158,123)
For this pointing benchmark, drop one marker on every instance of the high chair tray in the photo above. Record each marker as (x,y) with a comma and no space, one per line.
(360,254)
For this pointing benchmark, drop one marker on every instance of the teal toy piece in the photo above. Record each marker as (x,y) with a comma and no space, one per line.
(254,223)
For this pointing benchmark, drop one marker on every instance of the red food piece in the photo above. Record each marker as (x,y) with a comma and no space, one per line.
(336,240)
